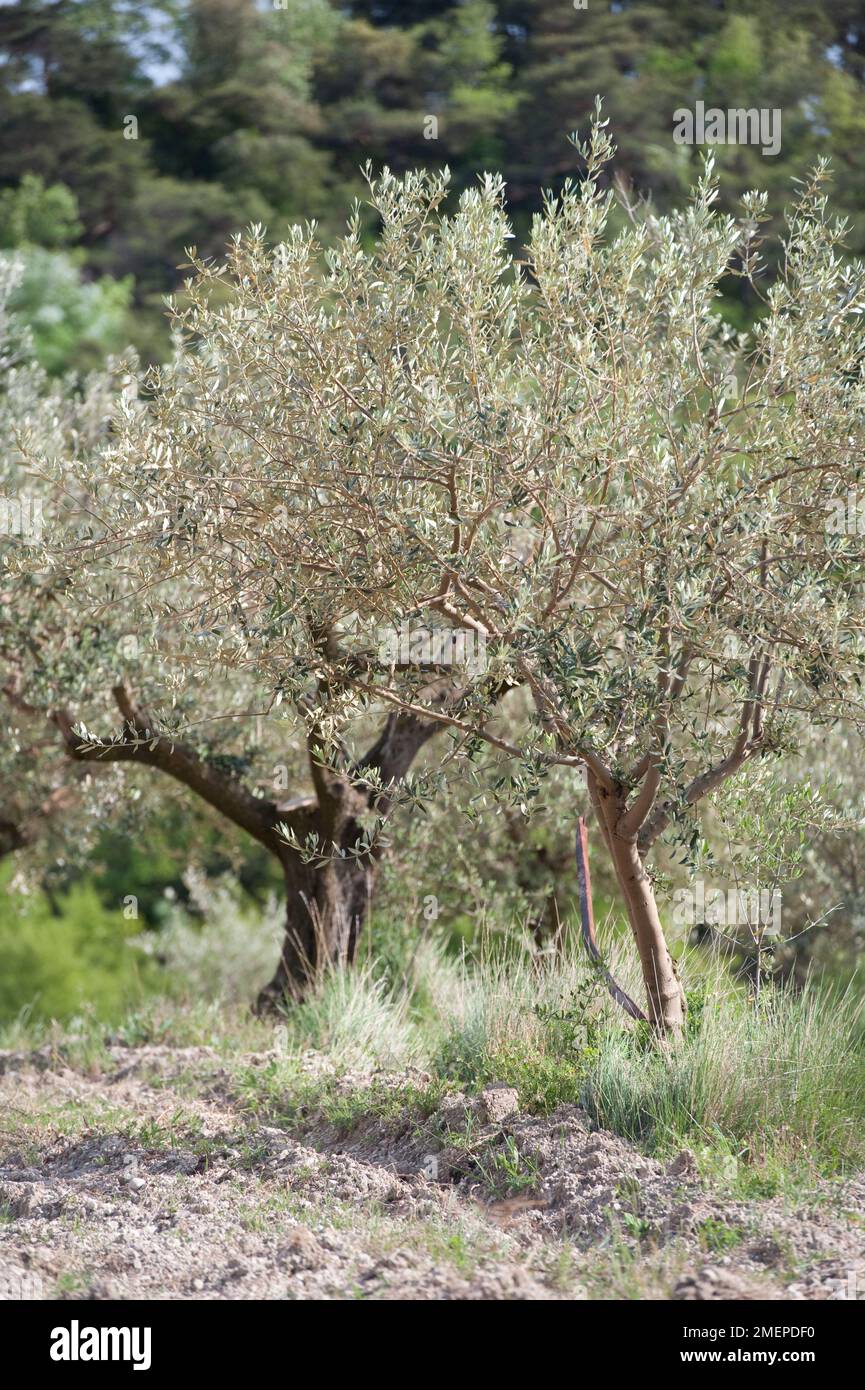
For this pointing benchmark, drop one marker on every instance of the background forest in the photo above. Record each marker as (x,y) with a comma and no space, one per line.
(131,132)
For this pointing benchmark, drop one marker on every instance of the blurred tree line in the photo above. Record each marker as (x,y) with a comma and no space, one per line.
(177,122)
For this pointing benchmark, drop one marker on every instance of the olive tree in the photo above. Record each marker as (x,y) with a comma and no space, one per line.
(627,502)
(569,461)
(102,661)
(104,677)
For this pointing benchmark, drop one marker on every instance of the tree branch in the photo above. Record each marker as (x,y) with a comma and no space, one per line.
(140,742)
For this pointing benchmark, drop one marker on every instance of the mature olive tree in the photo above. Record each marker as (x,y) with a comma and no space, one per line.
(101,674)
(570,464)
(101,667)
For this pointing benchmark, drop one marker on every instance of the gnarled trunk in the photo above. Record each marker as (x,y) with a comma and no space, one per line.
(326,907)
(12,837)
(327,901)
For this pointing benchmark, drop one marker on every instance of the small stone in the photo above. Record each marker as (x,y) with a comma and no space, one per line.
(454,1111)
(684,1165)
(301,1250)
(590,1163)
(104,1291)
(17,1200)
(498,1103)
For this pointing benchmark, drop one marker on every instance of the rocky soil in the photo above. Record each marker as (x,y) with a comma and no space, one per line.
(153,1179)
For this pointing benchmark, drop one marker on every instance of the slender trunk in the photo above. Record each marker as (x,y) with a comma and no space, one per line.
(664,994)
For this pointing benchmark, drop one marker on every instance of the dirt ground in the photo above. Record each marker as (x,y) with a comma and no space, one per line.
(150,1180)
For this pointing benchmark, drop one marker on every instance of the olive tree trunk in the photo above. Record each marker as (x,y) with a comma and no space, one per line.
(326,909)
(665,997)
(328,899)
(329,870)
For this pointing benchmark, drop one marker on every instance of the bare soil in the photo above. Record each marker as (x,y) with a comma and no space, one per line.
(151,1180)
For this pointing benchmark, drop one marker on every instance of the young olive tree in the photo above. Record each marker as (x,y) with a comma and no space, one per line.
(569,466)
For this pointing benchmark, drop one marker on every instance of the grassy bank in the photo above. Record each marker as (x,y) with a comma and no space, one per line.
(766,1095)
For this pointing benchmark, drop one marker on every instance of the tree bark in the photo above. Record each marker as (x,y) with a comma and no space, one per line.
(664,994)
(326,908)
(24,830)
(327,904)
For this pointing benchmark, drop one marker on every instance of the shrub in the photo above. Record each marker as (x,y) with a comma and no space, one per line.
(74,956)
